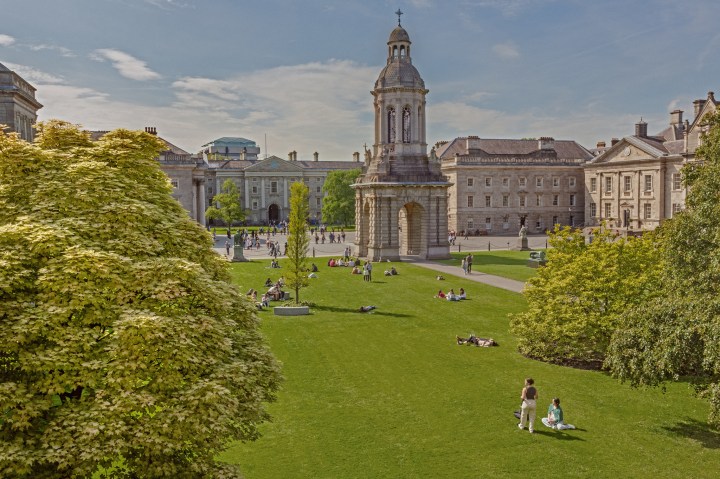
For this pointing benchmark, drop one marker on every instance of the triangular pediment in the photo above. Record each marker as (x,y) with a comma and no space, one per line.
(627,149)
(274,164)
(708,109)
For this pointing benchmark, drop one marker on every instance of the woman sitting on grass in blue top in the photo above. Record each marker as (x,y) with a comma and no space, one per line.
(554,417)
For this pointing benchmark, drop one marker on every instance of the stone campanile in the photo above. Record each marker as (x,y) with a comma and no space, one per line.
(401,196)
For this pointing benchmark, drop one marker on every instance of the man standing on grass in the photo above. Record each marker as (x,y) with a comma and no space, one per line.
(369,269)
(469,258)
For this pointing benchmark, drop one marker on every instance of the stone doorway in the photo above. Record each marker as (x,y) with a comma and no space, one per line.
(411,228)
(274,213)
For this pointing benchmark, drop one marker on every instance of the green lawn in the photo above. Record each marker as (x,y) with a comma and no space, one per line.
(390,395)
(508,264)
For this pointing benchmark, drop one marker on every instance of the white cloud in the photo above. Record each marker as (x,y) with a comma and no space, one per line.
(321,107)
(6,40)
(34,76)
(127,65)
(66,52)
(506,50)
(420,3)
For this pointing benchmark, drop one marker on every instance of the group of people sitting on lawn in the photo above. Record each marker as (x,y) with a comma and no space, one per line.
(349,262)
(480,342)
(451,295)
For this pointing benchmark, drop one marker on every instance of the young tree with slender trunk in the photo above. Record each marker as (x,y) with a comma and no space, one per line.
(228,205)
(122,339)
(298,239)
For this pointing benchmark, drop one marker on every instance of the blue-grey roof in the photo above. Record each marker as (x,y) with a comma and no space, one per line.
(231,140)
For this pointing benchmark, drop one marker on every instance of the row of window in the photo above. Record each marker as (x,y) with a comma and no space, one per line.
(506,223)
(627,183)
(318,204)
(522,181)
(523,201)
(646,214)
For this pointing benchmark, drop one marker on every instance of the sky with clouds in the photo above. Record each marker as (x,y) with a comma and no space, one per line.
(299,73)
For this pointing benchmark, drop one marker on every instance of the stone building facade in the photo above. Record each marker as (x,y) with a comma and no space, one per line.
(501,184)
(18,106)
(636,183)
(401,197)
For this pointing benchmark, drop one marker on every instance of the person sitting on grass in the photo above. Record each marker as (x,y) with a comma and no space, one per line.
(461,294)
(393,271)
(265,300)
(440,278)
(268,283)
(440,295)
(313,268)
(554,417)
(451,296)
(355,270)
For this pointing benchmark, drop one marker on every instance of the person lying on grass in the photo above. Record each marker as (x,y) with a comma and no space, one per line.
(367,309)
(480,342)
(554,417)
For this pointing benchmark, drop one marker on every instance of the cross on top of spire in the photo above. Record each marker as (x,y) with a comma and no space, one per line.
(398,13)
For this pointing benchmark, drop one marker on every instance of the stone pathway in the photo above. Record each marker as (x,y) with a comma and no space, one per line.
(489,279)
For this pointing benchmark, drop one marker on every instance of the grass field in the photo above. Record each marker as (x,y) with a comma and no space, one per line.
(390,395)
(508,264)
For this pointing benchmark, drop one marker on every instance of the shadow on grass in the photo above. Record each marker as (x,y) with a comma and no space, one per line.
(337,309)
(698,431)
(559,435)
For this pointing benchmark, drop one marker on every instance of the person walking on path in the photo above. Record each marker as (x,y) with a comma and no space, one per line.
(227,247)
(464,266)
(528,408)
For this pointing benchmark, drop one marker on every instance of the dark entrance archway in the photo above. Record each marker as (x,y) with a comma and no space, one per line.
(274,213)
(412,230)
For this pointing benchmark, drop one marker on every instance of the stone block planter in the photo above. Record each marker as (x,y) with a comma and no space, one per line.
(291,310)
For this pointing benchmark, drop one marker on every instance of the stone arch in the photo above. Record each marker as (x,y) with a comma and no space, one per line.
(411,226)
(406,124)
(391,125)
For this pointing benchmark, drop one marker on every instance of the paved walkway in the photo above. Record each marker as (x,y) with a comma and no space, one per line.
(473,243)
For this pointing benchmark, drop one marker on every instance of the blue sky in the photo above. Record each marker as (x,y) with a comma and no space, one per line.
(300,72)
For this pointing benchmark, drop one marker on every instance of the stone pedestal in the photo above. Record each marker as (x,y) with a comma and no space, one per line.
(238,256)
(522,245)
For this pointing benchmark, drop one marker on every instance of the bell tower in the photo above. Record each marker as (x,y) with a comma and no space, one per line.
(401,196)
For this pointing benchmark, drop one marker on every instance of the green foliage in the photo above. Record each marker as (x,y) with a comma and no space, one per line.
(298,239)
(122,338)
(679,333)
(230,208)
(576,302)
(339,202)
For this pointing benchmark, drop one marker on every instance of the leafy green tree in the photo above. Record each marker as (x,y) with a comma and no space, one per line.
(678,334)
(122,339)
(576,302)
(228,205)
(298,239)
(339,202)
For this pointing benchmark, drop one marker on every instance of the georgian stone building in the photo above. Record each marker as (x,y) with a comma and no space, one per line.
(18,106)
(401,197)
(264,184)
(501,185)
(636,183)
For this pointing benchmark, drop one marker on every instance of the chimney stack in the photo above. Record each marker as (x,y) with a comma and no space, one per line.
(641,129)
(614,141)
(356,156)
(473,143)
(697,106)
(290,156)
(676,117)
(711,96)
(546,143)
(600,144)
(315,156)
(151,129)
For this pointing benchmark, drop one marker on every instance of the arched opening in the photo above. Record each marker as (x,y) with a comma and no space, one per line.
(411,229)
(274,213)
(365,226)
(402,51)
(391,125)
(406,125)
(395,52)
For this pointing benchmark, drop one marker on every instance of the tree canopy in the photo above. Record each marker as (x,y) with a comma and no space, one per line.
(576,302)
(228,205)
(298,239)
(339,202)
(121,338)
(678,334)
